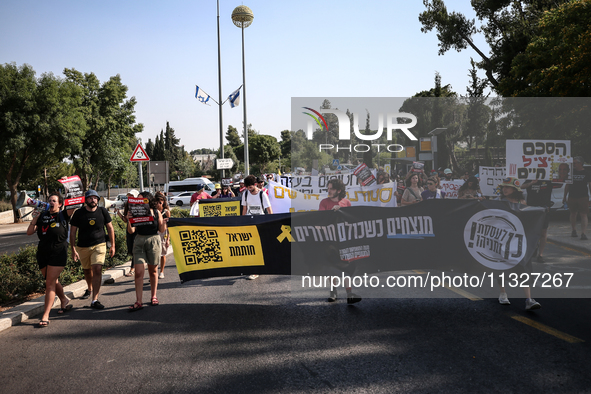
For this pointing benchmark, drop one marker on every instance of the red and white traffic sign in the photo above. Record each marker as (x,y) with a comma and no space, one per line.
(139,154)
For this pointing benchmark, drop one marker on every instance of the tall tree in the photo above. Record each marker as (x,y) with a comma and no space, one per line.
(508,27)
(233,137)
(110,119)
(40,123)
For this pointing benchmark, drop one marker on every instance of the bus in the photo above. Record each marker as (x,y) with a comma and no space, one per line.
(188,185)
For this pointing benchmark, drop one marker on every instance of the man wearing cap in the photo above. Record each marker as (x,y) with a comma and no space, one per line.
(448,173)
(199,195)
(218,191)
(578,196)
(91,249)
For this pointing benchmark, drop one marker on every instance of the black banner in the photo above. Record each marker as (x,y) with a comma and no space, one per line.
(449,235)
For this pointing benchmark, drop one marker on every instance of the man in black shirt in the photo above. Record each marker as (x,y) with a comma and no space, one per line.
(92,247)
(578,196)
(539,194)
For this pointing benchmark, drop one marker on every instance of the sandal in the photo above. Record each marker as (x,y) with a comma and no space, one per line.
(130,273)
(136,307)
(154,301)
(43,323)
(67,308)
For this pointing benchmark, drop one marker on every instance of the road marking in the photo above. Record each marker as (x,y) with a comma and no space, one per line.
(464,293)
(548,330)
(569,249)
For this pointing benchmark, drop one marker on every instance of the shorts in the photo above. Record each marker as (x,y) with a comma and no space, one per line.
(92,255)
(147,249)
(57,258)
(580,205)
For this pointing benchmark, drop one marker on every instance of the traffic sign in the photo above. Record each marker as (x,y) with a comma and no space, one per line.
(224,164)
(139,154)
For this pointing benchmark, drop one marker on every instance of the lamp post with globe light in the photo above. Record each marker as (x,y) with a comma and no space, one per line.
(242,17)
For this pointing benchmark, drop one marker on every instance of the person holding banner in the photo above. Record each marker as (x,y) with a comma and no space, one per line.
(511,192)
(51,227)
(92,243)
(164,209)
(147,249)
(335,201)
(129,238)
(254,202)
(432,191)
(412,193)
(578,196)
(470,190)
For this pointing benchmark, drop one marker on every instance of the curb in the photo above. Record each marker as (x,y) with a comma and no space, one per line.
(29,309)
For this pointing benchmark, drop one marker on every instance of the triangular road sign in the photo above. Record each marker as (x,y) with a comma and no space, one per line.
(139,154)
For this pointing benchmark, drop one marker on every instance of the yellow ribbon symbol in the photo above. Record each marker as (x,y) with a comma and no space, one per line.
(285,233)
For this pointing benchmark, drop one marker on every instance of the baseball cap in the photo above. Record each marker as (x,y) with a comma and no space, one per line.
(447,171)
(133,192)
(91,193)
(199,187)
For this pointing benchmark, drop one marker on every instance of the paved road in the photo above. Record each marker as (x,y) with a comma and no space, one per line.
(14,236)
(231,335)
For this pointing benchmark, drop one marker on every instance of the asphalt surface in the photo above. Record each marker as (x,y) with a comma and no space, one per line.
(225,335)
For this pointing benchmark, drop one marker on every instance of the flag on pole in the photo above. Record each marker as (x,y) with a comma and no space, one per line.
(201,95)
(234,98)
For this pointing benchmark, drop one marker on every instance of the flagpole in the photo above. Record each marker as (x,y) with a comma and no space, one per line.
(222,172)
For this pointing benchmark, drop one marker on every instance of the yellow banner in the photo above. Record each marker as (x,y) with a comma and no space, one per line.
(209,247)
(219,208)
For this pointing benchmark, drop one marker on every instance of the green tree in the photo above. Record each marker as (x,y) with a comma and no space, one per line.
(557,62)
(110,119)
(40,123)
(233,137)
(508,27)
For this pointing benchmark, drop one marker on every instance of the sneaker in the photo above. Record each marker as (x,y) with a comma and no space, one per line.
(97,305)
(574,234)
(85,295)
(503,300)
(353,298)
(540,259)
(161,275)
(531,304)
(252,277)
(584,237)
(332,296)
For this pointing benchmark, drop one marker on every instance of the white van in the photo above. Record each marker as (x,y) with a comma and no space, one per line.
(188,185)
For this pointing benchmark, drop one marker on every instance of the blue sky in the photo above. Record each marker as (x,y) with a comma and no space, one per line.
(319,48)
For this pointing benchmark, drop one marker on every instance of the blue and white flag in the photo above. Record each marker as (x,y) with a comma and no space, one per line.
(201,95)
(234,98)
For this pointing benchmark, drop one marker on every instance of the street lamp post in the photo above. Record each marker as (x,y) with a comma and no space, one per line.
(242,17)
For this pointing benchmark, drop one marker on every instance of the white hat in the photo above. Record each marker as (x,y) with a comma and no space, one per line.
(133,192)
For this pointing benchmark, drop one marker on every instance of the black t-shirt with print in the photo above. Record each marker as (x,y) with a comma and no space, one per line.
(581,180)
(91,226)
(539,194)
(52,230)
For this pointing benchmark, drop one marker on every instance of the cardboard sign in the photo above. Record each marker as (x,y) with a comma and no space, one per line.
(140,212)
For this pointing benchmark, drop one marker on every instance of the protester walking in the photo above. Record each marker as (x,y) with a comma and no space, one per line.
(129,238)
(51,227)
(511,192)
(92,246)
(164,209)
(147,248)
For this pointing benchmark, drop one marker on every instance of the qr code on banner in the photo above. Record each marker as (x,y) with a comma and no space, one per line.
(211,210)
(200,246)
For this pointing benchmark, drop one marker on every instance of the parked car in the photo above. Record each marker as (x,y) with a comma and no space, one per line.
(181,199)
